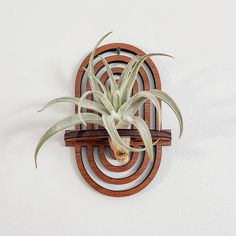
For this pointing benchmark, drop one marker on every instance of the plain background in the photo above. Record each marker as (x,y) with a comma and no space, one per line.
(41,46)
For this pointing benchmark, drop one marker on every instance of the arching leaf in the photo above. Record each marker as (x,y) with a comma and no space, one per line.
(86,104)
(145,134)
(114,87)
(130,107)
(127,70)
(66,123)
(128,82)
(93,83)
(103,99)
(169,101)
(104,89)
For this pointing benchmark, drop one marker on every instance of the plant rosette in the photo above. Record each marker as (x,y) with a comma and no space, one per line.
(116,107)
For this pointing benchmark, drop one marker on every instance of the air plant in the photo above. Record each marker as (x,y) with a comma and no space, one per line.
(116,107)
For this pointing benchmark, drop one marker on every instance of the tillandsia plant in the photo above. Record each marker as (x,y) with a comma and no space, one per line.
(116,107)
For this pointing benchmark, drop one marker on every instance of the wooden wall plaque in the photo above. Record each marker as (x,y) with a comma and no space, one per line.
(93,155)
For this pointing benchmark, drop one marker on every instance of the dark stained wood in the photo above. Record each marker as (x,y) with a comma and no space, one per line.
(92,137)
(101,134)
(110,180)
(123,193)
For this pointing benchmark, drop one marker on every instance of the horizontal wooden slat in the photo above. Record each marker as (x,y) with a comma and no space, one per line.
(87,136)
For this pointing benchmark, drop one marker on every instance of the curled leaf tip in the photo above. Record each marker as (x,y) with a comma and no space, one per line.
(170,56)
(43,108)
(35,163)
(180,135)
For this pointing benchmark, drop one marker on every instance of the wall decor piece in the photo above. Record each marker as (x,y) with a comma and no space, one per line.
(118,137)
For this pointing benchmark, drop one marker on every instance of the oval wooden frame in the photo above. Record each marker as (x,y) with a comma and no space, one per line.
(73,138)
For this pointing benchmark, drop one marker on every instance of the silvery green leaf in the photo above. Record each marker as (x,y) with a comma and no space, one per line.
(145,134)
(104,89)
(169,101)
(109,124)
(127,70)
(133,104)
(86,104)
(110,74)
(113,84)
(128,82)
(102,98)
(93,83)
(130,107)
(66,123)
(61,99)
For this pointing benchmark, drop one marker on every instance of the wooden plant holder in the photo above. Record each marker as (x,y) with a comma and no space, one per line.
(98,137)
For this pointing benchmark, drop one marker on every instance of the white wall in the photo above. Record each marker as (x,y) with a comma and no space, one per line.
(41,46)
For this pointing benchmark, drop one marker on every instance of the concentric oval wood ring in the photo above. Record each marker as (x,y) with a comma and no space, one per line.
(94,159)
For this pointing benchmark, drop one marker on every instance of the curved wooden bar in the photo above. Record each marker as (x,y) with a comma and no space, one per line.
(121,193)
(113,168)
(116,181)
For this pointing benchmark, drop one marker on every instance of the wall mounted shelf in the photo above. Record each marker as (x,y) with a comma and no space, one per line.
(97,137)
